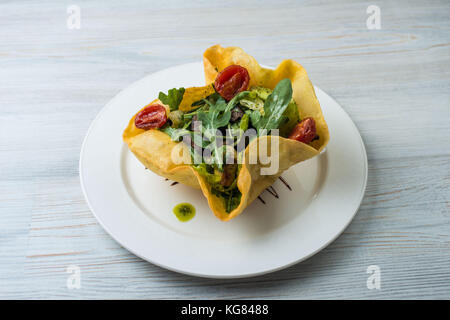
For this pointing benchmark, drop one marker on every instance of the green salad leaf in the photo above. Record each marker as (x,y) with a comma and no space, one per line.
(216,116)
(274,107)
(211,175)
(172,98)
(291,118)
(176,134)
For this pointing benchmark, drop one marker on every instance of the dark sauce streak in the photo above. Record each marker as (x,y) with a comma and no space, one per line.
(272,191)
(285,183)
(261,199)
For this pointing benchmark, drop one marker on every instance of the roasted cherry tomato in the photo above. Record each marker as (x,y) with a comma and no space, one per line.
(305,131)
(232,80)
(153,116)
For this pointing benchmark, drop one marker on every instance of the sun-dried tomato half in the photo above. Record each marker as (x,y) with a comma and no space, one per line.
(153,116)
(305,131)
(232,80)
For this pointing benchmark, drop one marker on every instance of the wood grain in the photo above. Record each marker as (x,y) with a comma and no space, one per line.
(393,82)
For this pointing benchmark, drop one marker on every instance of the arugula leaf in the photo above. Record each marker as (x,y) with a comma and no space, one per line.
(274,107)
(174,133)
(218,115)
(173,98)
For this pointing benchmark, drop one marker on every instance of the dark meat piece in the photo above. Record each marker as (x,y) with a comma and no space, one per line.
(228,175)
(236,114)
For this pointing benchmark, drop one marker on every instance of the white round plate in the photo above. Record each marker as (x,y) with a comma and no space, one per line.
(135,205)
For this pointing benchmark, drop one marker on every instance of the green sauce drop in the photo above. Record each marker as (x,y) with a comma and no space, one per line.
(184,211)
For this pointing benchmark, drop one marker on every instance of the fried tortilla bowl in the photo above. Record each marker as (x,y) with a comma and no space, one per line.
(155,149)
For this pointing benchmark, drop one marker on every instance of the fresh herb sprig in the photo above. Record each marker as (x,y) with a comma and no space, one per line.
(172,98)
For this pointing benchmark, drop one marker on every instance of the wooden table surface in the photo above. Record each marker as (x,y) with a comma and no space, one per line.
(393,82)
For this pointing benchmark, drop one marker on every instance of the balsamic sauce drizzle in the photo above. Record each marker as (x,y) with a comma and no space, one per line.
(270,189)
(285,183)
(261,199)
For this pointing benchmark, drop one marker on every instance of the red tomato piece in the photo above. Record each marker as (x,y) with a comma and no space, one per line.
(305,131)
(153,116)
(232,80)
